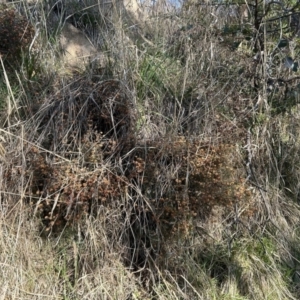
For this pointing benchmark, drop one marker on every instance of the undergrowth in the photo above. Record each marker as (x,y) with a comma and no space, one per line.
(167,170)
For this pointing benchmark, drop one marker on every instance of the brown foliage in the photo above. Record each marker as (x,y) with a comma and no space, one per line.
(67,191)
(16,32)
(195,176)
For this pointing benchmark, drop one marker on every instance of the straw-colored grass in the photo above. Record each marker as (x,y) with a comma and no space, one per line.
(153,173)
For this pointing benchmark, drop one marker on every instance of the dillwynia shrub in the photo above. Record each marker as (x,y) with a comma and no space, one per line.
(16,33)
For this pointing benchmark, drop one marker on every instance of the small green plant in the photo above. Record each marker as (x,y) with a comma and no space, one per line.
(156,75)
(31,64)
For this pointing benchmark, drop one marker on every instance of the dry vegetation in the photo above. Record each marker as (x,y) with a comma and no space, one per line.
(153,174)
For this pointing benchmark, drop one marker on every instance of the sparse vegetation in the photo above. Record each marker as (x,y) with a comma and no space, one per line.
(167,168)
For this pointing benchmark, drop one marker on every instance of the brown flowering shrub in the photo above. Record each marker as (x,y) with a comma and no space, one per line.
(63,190)
(62,193)
(191,178)
(16,33)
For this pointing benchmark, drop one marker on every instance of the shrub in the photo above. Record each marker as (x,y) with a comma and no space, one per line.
(16,33)
(191,177)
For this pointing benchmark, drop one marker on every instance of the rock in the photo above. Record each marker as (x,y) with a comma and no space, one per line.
(77,49)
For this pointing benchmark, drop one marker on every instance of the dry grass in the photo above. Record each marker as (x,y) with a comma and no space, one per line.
(150,175)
